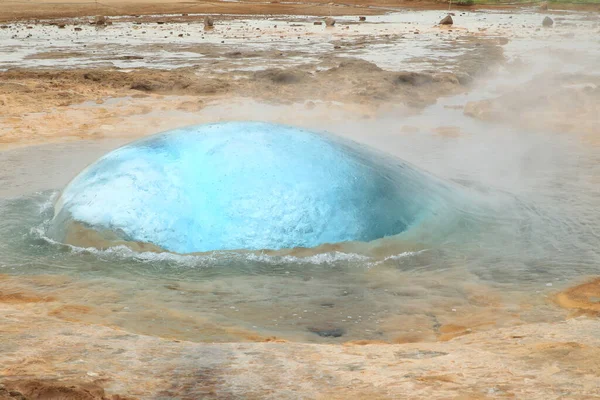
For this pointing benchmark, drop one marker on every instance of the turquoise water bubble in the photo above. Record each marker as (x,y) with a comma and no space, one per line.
(247,185)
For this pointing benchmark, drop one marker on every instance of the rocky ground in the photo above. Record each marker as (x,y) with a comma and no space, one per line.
(48,93)
(45,357)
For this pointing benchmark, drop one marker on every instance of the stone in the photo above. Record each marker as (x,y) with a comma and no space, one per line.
(447,20)
(329,21)
(482,110)
(327,331)
(318,23)
(547,22)
(100,20)
(362,19)
(209,22)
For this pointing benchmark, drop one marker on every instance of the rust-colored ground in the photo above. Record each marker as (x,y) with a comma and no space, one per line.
(31,9)
(24,9)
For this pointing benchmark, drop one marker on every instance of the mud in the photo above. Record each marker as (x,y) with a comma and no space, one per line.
(36,100)
(27,93)
(38,389)
(536,361)
(582,299)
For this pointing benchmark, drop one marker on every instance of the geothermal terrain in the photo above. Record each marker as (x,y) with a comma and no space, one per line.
(503,101)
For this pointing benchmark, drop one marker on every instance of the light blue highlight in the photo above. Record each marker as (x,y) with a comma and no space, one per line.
(247,185)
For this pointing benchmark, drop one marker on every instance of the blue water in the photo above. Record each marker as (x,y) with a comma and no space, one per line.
(249,185)
(512,218)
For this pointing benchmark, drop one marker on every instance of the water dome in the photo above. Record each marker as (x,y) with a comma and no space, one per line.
(245,185)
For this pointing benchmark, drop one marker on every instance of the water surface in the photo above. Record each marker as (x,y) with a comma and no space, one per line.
(534,231)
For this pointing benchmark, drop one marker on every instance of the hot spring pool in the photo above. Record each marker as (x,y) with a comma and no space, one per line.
(249,186)
(488,253)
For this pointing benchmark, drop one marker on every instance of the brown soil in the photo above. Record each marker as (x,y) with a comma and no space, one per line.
(35,101)
(39,389)
(15,298)
(450,358)
(13,10)
(584,297)
(533,361)
(73,8)
(352,80)
(43,9)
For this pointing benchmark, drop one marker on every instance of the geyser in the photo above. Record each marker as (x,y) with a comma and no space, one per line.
(246,185)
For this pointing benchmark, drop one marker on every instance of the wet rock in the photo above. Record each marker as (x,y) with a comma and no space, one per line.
(4,27)
(317,23)
(362,19)
(544,5)
(413,78)
(191,106)
(160,22)
(547,22)
(100,20)
(584,297)
(327,331)
(445,77)
(6,394)
(356,66)
(146,86)
(93,76)
(77,29)
(209,22)
(281,76)
(464,78)
(329,21)
(61,26)
(130,58)
(54,389)
(447,20)
(14,88)
(482,110)
(309,105)
(419,354)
